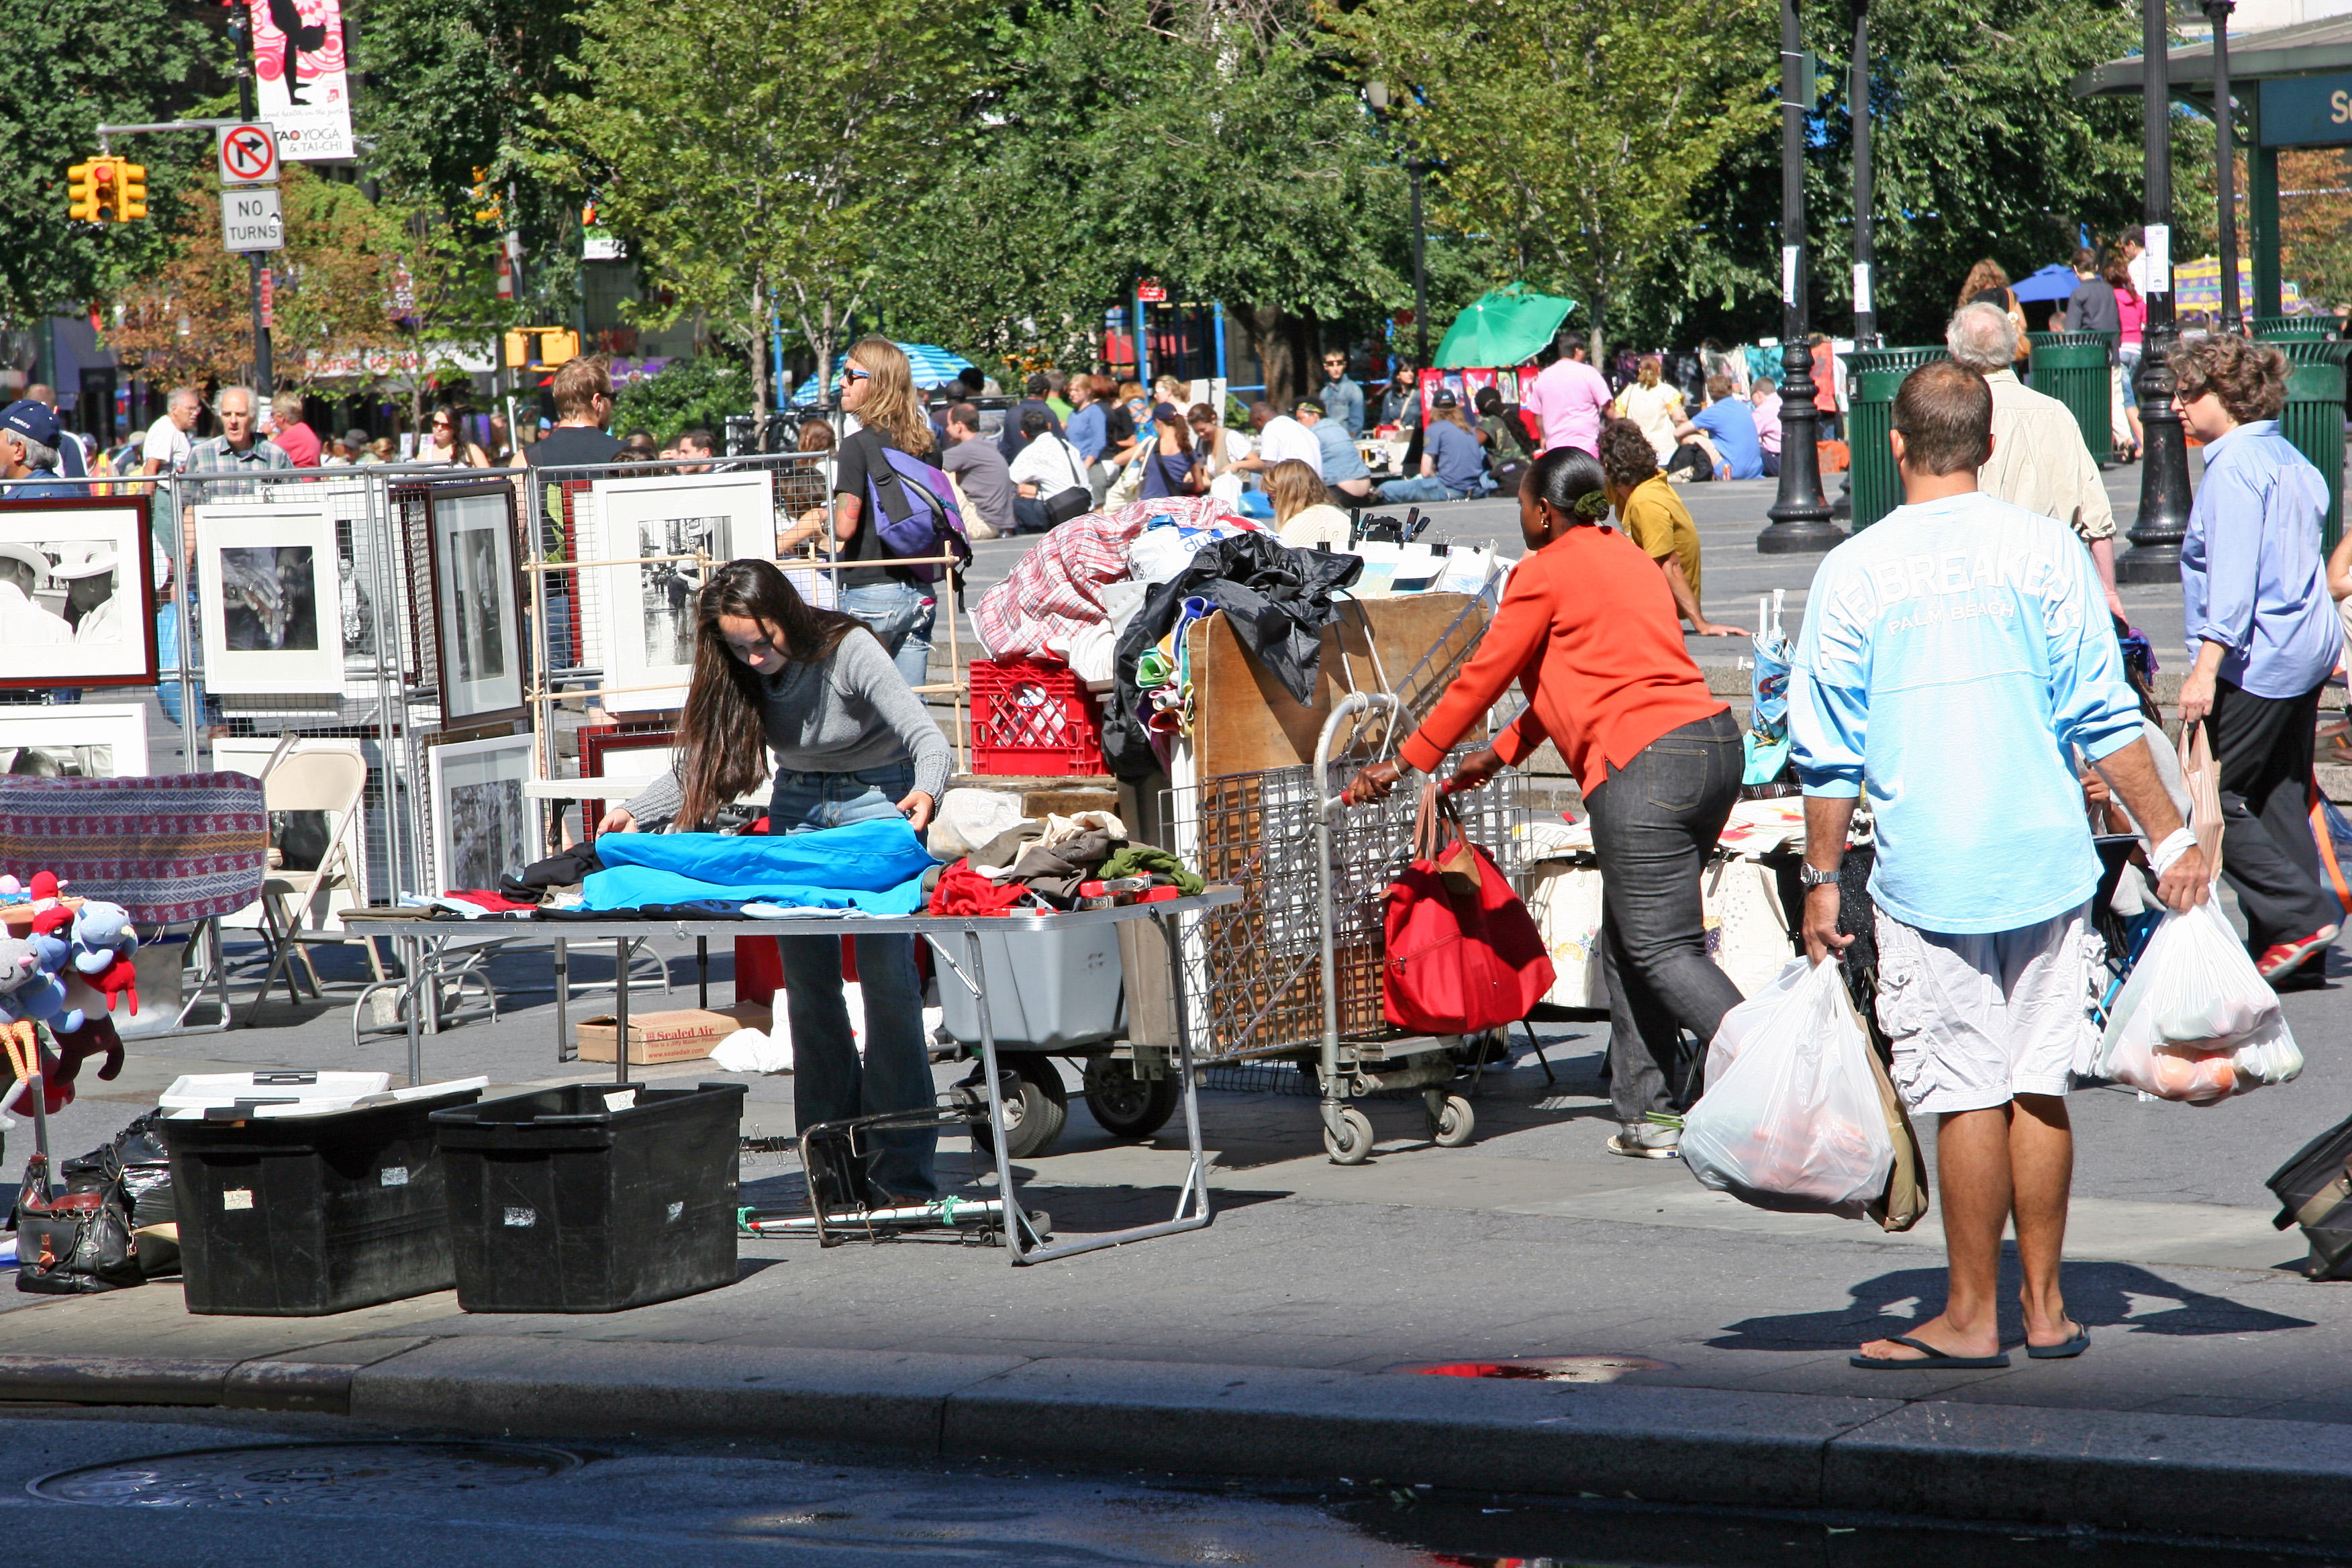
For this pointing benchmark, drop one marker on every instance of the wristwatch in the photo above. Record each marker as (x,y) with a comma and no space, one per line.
(1812,878)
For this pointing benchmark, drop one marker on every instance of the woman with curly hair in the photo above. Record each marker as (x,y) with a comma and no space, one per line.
(2254,596)
(1588,629)
(1987,283)
(1655,518)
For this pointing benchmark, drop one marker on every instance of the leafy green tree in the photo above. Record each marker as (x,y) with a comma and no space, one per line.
(759,158)
(700,392)
(1574,135)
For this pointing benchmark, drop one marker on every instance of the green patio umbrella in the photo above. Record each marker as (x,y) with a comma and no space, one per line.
(1508,326)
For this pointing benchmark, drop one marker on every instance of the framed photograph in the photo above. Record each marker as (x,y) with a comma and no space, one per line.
(77,583)
(631,755)
(481,823)
(477,603)
(80,741)
(269,596)
(646,524)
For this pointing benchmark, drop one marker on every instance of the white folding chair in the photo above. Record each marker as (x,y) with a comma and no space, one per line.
(329,780)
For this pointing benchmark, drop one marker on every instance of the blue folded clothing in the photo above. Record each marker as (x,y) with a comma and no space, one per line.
(876,865)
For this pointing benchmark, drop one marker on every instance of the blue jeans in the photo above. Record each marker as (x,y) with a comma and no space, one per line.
(830,1083)
(901,615)
(1423,487)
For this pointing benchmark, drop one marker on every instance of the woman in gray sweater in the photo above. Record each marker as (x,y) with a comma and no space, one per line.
(851,742)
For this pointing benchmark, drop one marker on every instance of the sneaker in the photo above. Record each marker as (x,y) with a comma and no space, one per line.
(1647,1140)
(2284,956)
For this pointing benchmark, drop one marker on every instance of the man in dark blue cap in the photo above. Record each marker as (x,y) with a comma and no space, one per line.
(28,453)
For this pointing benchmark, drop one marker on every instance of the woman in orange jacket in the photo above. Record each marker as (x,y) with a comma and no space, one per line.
(1588,631)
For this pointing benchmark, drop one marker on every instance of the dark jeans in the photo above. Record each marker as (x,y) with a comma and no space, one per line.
(2263,746)
(1691,455)
(1771,465)
(1654,821)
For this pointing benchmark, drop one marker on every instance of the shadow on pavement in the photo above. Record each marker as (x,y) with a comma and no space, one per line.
(2102,1294)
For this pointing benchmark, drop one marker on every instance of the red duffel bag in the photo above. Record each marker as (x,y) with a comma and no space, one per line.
(1464,954)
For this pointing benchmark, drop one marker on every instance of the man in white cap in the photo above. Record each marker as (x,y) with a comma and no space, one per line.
(22,622)
(89,593)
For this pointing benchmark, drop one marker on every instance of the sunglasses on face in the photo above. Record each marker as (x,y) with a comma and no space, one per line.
(853,373)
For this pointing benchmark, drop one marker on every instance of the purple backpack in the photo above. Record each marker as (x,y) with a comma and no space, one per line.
(914,511)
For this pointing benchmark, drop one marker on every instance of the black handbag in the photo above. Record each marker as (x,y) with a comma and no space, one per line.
(2315,1191)
(1064,505)
(77,1243)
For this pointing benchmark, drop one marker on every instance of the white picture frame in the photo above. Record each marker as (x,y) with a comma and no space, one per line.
(86,740)
(269,597)
(649,607)
(55,555)
(249,755)
(477,604)
(481,821)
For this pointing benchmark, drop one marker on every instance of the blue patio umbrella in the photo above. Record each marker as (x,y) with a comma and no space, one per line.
(931,365)
(2055,281)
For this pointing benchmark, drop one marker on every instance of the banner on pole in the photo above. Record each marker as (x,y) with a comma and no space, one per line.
(303,78)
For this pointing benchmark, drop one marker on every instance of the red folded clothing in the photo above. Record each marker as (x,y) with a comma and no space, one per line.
(964,891)
(487,898)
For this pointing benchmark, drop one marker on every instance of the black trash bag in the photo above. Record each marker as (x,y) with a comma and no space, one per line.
(1278,600)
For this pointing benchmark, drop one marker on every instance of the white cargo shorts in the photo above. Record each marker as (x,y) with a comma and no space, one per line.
(1977,1019)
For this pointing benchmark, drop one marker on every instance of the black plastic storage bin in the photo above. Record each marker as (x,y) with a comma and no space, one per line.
(300,1216)
(593,1197)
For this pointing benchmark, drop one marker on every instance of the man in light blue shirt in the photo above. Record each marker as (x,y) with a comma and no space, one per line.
(1342,399)
(1343,465)
(1950,656)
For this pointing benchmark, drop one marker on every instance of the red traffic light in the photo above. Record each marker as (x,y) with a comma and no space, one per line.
(102,171)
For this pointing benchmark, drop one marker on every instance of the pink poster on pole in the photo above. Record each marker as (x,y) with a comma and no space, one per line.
(303,78)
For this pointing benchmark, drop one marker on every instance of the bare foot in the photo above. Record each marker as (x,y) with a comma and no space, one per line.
(1936,1332)
(2068,1331)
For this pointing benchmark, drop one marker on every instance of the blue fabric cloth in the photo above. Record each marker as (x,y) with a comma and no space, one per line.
(877,866)
(1340,459)
(1460,460)
(1732,423)
(1950,655)
(1088,432)
(2251,575)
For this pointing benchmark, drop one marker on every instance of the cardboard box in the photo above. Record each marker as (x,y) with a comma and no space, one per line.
(684,1034)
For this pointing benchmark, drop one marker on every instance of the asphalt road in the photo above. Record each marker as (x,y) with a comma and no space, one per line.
(114,1486)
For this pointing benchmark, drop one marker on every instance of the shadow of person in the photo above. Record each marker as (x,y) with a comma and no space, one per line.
(2101,1295)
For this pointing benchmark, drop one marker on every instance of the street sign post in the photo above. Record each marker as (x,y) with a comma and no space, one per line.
(251,220)
(248,156)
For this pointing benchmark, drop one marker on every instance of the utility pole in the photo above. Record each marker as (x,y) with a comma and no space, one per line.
(1800,513)
(1865,311)
(240,34)
(2163,520)
(2225,166)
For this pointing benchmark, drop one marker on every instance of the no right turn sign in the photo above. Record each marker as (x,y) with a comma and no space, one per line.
(248,156)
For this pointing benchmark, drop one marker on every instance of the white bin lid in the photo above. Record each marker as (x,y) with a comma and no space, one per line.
(267,1094)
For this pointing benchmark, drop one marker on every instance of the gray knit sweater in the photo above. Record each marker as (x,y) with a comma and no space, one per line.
(849,712)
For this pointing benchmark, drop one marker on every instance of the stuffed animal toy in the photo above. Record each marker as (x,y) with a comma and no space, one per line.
(95,1037)
(103,941)
(27,993)
(51,938)
(12,891)
(43,890)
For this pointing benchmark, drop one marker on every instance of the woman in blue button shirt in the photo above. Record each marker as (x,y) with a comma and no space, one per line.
(2264,635)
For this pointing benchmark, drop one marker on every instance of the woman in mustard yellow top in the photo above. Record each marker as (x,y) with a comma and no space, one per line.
(1655,518)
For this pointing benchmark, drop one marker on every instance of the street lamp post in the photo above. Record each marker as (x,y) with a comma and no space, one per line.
(1376,98)
(2156,532)
(1799,512)
(2225,164)
(1865,311)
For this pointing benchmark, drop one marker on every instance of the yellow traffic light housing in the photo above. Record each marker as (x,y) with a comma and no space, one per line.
(558,347)
(130,190)
(85,202)
(518,350)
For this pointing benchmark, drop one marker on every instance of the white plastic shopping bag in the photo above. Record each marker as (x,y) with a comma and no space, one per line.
(2195,1022)
(1793,1119)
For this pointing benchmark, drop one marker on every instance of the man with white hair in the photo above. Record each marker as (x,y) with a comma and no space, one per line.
(165,451)
(28,453)
(2039,459)
(238,447)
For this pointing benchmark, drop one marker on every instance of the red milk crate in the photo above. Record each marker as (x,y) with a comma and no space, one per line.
(1032,717)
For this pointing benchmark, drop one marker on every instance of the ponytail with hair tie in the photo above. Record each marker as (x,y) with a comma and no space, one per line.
(1592,506)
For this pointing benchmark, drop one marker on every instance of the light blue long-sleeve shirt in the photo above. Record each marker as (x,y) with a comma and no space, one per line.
(1086,432)
(1950,656)
(2252,574)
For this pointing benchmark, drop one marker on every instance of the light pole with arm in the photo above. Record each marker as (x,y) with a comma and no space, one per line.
(2163,519)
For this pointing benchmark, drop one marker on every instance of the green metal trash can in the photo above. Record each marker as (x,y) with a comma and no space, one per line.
(1873,377)
(2072,367)
(2314,416)
(2286,329)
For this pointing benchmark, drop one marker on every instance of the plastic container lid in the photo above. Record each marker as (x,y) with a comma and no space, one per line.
(287,1093)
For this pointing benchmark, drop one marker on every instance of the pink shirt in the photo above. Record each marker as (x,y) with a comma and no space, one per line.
(2132,310)
(300,443)
(1571,400)
(1767,422)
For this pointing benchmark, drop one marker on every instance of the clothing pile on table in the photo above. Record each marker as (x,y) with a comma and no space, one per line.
(1038,866)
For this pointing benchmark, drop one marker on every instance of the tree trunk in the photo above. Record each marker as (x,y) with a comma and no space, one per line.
(758,364)
(1283,343)
(1599,348)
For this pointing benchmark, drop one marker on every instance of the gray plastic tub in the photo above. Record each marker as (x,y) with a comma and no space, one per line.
(1047,990)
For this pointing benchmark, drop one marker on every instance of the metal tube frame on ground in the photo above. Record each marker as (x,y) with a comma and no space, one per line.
(1193,1205)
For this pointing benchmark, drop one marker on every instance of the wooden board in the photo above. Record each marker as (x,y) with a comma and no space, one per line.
(1245,720)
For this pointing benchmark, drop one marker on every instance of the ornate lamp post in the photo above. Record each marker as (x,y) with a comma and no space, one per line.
(2156,535)
(1866,313)
(2225,164)
(1800,512)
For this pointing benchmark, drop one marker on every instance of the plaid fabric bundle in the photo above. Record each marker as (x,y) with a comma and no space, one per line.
(1055,589)
(168,849)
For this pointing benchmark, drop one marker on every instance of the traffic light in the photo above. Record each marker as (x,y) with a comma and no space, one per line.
(555,348)
(518,350)
(85,201)
(130,190)
(488,210)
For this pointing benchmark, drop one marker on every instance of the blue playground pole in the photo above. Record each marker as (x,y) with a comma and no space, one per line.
(1142,346)
(1218,320)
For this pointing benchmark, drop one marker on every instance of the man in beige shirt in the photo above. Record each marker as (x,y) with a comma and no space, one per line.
(2039,460)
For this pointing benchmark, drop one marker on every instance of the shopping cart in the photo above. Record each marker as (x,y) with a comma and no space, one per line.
(1294,970)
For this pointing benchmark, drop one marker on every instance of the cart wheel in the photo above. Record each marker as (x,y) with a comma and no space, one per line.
(1455,1123)
(1353,1146)
(1034,1120)
(1125,1104)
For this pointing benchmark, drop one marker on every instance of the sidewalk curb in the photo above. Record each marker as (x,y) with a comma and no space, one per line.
(1935,1459)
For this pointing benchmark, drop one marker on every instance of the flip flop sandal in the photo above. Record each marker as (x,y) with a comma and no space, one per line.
(2063,1349)
(1930,1356)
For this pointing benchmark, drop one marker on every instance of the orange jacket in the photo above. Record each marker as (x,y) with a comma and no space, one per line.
(1588,629)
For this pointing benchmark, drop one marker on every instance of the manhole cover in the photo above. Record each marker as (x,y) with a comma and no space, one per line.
(282,1473)
(1543,1368)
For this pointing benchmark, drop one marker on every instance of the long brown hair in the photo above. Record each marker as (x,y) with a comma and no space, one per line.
(723,734)
(891,404)
(1986,274)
